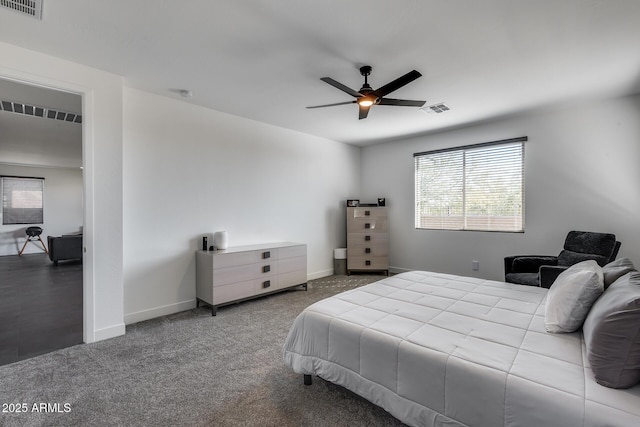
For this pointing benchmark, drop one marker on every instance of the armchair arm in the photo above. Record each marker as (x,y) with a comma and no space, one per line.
(549,273)
(532,263)
(508,263)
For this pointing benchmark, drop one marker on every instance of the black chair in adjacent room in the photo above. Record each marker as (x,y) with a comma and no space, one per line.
(33,233)
(66,247)
(542,270)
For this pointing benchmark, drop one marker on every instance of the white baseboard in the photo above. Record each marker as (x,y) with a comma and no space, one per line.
(110,332)
(319,274)
(152,313)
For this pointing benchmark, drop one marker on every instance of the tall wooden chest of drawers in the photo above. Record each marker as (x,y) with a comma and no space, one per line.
(244,272)
(367,239)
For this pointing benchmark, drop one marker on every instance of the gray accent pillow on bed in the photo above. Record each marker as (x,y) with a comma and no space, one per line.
(572,295)
(612,334)
(616,269)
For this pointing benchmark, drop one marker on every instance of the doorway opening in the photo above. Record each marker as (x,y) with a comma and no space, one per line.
(41,308)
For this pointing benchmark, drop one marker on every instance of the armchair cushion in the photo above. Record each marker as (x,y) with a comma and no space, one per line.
(587,242)
(567,258)
(530,279)
(531,264)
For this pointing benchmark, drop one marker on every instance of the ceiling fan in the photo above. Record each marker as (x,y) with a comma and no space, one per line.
(366,97)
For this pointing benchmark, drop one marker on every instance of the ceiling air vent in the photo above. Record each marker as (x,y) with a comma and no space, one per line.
(33,110)
(32,8)
(438,108)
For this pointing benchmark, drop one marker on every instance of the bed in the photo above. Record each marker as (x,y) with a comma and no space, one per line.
(442,350)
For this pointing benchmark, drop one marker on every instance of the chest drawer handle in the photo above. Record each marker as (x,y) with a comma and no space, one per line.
(266,255)
(367,213)
(367,225)
(266,268)
(367,262)
(367,238)
(266,283)
(367,250)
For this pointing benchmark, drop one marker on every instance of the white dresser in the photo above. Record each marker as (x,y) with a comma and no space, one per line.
(244,272)
(367,239)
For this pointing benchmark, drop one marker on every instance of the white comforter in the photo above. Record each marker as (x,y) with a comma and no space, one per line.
(435,349)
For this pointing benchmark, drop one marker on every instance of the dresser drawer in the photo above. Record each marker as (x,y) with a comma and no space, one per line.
(233,291)
(225,276)
(367,212)
(292,264)
(292,278)
(266,284)
(292,252)
(371,225)
(362,250)
(367,263)
(376,239)
(222,260)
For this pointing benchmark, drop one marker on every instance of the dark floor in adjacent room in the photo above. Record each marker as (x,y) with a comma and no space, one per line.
(40,306)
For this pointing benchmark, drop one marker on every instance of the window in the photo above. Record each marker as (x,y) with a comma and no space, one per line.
(478,187)
(22,200)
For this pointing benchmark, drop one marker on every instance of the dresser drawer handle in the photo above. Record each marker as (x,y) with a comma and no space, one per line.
(367,250)
(367,225)
(367,238)
(266,268)
(266,255)
(367,213)
(266,283)
(367,262)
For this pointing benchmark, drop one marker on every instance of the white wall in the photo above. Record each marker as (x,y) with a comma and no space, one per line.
(102,159)
(581,173)
(191,171)
(62,207)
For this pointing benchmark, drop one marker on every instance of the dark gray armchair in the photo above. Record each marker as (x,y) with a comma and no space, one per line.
(67,247)
(542,270)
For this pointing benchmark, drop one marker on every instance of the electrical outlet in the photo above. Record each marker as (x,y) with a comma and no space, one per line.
(475,265)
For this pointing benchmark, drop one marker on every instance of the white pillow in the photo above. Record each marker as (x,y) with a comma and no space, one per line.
(571,296)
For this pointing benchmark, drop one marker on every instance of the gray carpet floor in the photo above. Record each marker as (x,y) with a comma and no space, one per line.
(189,369)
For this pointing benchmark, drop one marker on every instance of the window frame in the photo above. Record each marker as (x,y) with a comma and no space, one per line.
(24,219)
(465,214)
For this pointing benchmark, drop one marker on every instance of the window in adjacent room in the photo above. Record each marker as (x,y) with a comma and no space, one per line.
(22,200)
(478,187)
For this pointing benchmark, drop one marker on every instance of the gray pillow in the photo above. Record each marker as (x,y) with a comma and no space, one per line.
(612,334)
(572,295)
(616,269)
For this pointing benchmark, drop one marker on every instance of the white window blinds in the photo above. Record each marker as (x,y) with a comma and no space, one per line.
(22,200)
(478,187)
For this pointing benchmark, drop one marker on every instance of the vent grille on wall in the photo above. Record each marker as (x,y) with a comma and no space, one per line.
(32,110)
(31,8)
(438,108)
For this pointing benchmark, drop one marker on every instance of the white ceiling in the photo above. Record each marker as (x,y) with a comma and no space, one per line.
(39,141)
(263,59)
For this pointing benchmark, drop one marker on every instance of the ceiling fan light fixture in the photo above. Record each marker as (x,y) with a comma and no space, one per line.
(366,101)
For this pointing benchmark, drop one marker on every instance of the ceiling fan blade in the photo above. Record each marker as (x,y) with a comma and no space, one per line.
(401,102)
(332,105)
(363,112)
(397,83)
(341,87)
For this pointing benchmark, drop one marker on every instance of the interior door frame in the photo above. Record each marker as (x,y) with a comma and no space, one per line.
(88,285)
